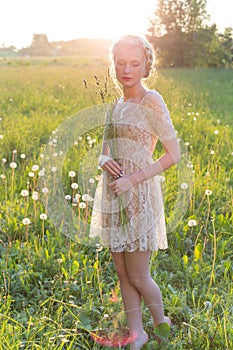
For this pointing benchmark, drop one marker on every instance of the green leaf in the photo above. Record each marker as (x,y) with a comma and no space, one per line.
(162,330)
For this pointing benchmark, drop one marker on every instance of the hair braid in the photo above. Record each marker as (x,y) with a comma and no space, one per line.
(143,46)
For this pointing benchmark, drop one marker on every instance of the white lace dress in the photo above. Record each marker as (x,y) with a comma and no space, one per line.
(134,220)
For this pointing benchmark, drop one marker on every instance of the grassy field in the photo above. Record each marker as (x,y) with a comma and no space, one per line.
(55,290)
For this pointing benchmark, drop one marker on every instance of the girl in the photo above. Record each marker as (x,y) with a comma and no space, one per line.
(128,211)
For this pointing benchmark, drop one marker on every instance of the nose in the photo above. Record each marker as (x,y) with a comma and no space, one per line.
(127,68)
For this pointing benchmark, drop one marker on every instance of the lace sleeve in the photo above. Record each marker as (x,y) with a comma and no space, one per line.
(160,119)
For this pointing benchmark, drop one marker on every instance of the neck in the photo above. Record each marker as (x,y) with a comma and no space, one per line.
(133,94)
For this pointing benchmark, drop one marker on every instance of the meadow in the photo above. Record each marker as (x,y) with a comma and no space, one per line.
(55,289)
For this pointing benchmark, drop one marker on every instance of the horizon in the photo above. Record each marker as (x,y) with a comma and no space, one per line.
(69,20)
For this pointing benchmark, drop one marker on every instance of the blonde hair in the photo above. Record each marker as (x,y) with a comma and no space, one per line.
(143,45)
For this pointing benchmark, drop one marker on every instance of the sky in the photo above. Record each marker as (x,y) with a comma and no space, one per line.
(73,19)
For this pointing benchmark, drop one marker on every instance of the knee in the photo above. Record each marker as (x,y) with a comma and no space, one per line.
(139,281)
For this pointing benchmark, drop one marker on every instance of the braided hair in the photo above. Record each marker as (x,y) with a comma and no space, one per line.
(144,47)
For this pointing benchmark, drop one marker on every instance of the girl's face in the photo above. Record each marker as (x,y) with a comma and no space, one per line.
(129,65)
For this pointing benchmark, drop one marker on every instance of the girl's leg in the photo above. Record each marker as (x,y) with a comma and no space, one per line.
(137,267)
(132,302)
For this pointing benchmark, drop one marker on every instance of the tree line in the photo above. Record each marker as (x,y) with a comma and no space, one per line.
(181,36)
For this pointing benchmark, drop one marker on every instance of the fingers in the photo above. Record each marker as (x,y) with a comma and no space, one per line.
(120,186)
(113,168)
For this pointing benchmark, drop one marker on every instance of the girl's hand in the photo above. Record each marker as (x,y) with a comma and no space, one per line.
(121,185)
(113,168)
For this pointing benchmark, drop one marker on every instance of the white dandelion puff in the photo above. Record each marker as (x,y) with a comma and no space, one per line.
(190,165)
(72,173)
(24,193)
(192,223)
(82,205)
(26,221)
(184,186)
(35,167)
(87,198)
(45,190)
(43,216)
(35,196)
(31,174)
(208,192)
(13,165)
(74,185)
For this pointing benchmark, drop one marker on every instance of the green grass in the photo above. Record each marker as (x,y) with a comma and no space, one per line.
(55,291)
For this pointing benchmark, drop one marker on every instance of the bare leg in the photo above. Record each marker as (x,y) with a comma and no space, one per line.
(132,302)
(137,265)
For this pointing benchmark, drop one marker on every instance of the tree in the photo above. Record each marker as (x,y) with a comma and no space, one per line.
(174,31)
(40,45)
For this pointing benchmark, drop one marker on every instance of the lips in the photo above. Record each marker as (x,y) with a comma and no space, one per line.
(126,78)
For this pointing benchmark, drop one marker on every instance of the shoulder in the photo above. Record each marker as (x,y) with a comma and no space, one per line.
(154,100)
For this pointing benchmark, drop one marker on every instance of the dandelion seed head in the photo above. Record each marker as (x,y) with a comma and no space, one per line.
(1,137)
(212,152)
(35,196)
(68,197)
(41,172)
(22,156)
(208,304)
(4,160)
(45,190)
(91,181)
(78,196)
(54,169)
(87,198)
(35,167)
(72,173)
(74,185)
(208,192)
(26,221)
(207,173)
(43,216)
(24,193)
(3,176)
(190,165)
(192,223)
(13,165)
(184,186)
(187,143)
(31,174)
(106,315)
(59,261)
(82,205)
(41,155)
(55,154)
(14,151)
(216,132)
